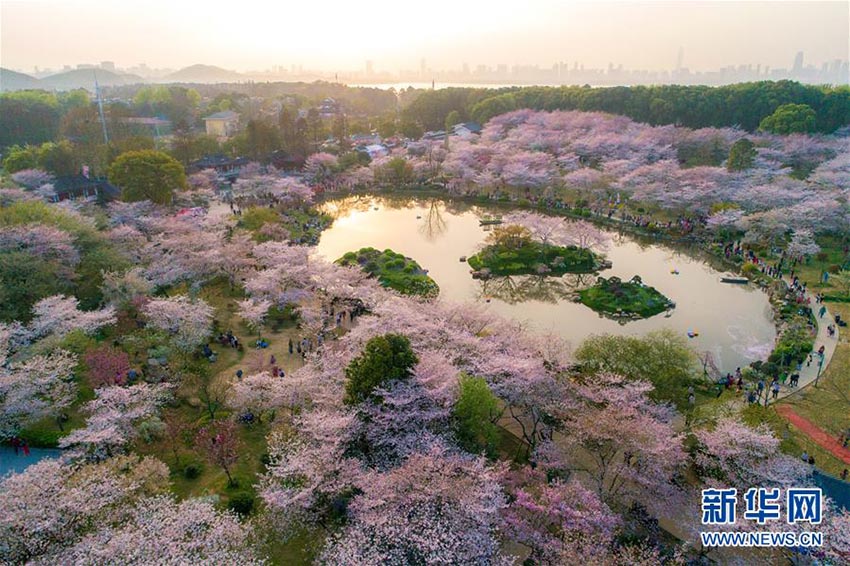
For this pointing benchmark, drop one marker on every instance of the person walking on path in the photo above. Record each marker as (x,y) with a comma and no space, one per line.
(809,372)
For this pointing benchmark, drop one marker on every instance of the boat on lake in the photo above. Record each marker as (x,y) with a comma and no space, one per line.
(736,280)
(490,220)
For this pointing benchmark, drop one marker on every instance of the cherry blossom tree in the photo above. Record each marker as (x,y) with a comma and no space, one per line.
(229,257)
(724,219)
(262,189)
(436,508)
(403,422)
(310,474)
(106,365)
(121,289)
(356,178)
(11,195)
(528,169)
(42,386)
(260,392)
(320,167)
(437,374)
(188,320)
(187,532)
(130,213)
(627,443)
(206,179)
(550,517)
(802,243)
(220,444)
(836,535)
(52,505)
(548,230)
(254,312)
(59,315)
(43,241)
(591,155)
(833,173)
(733,454)
(114,414)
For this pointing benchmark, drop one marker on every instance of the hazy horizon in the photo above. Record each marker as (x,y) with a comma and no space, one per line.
(340,36)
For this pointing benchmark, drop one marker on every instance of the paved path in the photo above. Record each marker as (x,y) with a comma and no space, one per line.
(809,373)
(823,439)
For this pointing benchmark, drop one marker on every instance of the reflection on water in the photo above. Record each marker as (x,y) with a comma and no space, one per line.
(734,322)
(514,289)
(433,225)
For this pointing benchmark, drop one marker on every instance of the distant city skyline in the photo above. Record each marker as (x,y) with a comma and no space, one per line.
(800,68)
(340,37)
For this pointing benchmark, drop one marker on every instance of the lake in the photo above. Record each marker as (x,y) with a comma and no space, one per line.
(18,462)
(734,322)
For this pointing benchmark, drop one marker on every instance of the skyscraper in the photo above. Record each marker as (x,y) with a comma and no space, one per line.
(798,62)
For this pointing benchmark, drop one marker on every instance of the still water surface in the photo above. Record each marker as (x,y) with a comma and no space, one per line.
(734,322)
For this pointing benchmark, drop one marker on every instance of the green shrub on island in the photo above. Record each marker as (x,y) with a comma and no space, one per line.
(511,251)
(625,298)
(301,225)
(393,270)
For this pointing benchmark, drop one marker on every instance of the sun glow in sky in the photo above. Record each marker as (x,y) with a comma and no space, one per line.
(343,34)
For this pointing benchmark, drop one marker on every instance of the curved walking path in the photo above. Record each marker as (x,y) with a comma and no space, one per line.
(821,438)
(809,373)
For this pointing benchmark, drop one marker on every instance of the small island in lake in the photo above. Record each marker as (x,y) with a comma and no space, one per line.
(627,299)
(393,270)
(511,251)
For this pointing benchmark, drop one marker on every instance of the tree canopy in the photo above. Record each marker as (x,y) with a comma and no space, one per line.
(662,358)
(384,359)
(790,119)
(742,104)
(147,175)
(742,154)
(474,414)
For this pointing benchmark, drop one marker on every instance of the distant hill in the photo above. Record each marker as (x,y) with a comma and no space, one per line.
(13,80)
(203,74)
(84,78)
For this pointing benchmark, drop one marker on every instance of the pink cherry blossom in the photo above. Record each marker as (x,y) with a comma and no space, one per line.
(114,413)
(42,386)
(188,320)
(59,315)
(52,505)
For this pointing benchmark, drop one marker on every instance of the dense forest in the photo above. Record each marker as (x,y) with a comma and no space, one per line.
(744,105)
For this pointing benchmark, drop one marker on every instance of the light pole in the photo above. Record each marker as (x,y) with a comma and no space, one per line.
(820,367)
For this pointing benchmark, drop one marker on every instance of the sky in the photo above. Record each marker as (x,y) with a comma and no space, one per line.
(340,35)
